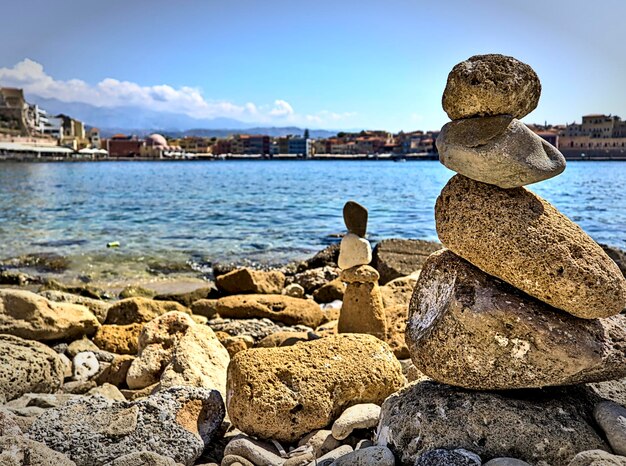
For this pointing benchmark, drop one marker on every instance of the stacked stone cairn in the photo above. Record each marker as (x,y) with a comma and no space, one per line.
(362,310)
(521,298)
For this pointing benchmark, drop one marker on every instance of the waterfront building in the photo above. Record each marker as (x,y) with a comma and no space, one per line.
(598,136)
(121,145)
(17,117)
(94,138)
(155,146)
(299,146)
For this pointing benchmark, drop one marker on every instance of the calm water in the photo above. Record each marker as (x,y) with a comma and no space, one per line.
(177,212)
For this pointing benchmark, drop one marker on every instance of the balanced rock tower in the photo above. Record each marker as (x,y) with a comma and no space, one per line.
(362,310)
(522,297)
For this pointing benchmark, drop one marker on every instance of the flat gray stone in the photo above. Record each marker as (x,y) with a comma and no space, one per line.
(597,458)
(498,150)
(612,418)
(370,456)
(355,218)
(442,457)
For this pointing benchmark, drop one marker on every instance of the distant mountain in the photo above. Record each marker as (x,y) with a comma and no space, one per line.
(134,120)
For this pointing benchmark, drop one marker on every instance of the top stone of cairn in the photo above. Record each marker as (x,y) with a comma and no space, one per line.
(355,218)
(489,85)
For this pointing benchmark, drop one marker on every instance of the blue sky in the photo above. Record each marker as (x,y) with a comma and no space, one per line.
(323,64)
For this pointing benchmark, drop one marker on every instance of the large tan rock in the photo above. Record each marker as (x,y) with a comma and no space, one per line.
(469,329)
(175,351)
(543,427)
(251,281)
(396,317)
(28,366)
(362,310)
(522,239)
(119,339)
(499,150)
(28,315)
(285,393)
(398,292)
(396,257)
(137,310)
(485,85)
(279,308)
(98,307)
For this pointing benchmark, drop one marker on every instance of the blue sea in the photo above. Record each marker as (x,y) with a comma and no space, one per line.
(267,212)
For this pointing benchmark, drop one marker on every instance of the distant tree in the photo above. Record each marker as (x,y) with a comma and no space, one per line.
(341,134)
(306,133)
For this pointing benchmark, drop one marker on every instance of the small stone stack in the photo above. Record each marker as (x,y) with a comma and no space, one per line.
(362,310)
(521,297)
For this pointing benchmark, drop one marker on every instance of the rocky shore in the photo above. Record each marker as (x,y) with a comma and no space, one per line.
(503,345)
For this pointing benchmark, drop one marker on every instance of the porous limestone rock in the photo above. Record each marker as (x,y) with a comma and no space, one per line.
(550,425)
(355,218)
(174,350)
(279,308)
(251,281)
(597,458)
(498,150)
(93,431)
(486,85)
(137,310)
(85,365)
(443,457)
(361,416)
(98,307)
(399,290)
(119,339)
(330,291)
(143,458)
(354,251)
(396,257)
(17,450)
(612,418)
(205,307)
(27,366)
(362,310)
(115,373)
(285,393)
(469,329)
(396,317)
(522,239)
(284,339)
(31,316)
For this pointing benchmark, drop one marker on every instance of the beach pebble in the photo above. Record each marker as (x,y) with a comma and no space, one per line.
(115,373)
(285,393)
(362,416)
(355,218)
(442,457)
(302,459)
(313,279)
(468,329)
(251,281)
(512,234)
(137,310)
(8,423)
(98,307)
(354,251)
(506,462)
(86,365)
(485,85)
(330,291)
(370,456)
(108,391)
(255,451)
(28,366)
(499,150)
(143,458)
(364,443)
(597,458)
(17,450)
(294,290)
(331,456)
(321,442)
(235,460)
(612,418)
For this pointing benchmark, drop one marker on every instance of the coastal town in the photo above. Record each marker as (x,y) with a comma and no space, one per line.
(28,132)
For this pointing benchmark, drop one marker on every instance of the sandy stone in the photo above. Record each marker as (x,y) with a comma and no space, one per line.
(485,85)
(612,418)
(251,281)
(320,441)
(371,456)
(520,238)
(330,292)
(177,423)
(108,391)
(27,366)
(234,344)
(313,279)
(361,416)
(395,257)
(354,251)
(138,310)
(396,317)
(143,458)
(294,290)
(279,308)
(613,390)
(97,307)
(498,150)
(398,292)
(362,310)
(17,450)
(597,458)
(205,307)
(115,373)
(550,425)
(31,316)
(189,297)
(469,329)
(283,339)
(235,460)
(8,423)
(355,218)
(331,456)
(119,339)
(285,393)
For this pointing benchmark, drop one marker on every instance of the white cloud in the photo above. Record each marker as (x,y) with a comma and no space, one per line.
(110,92)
